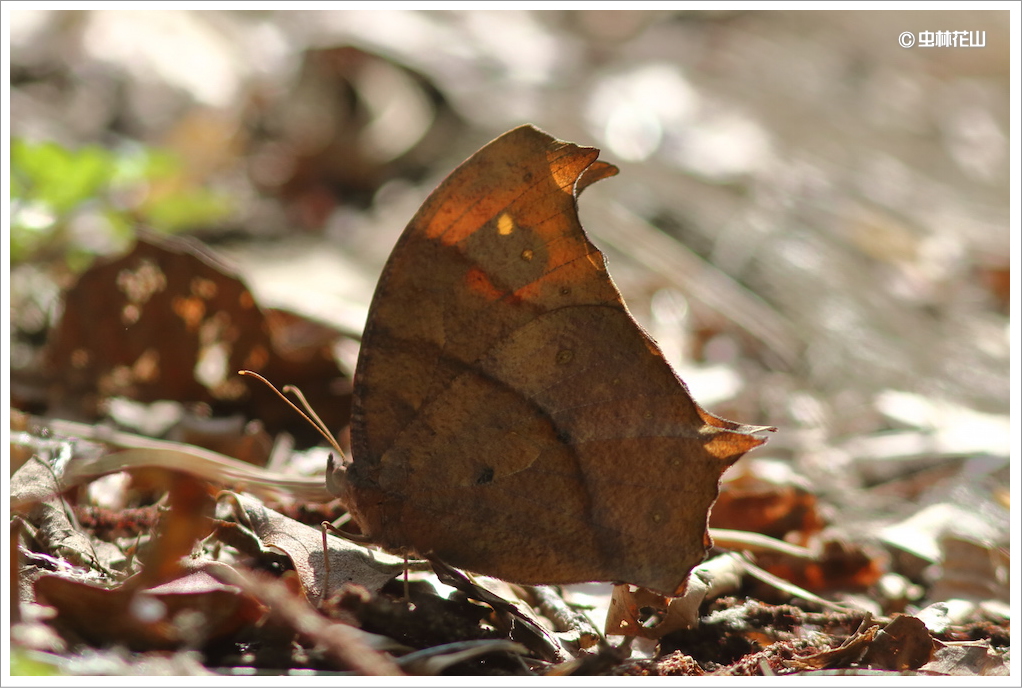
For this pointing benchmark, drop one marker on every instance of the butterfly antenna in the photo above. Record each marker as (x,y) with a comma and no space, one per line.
(315,421)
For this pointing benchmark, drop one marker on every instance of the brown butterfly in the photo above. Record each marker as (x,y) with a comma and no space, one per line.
(510,417)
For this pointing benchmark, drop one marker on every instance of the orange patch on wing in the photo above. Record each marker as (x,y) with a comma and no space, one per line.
(477,282)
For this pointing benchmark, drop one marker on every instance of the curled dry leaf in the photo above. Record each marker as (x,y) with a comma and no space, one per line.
(526,628)
(902,645)
(718,576)
(510,417)
(971,658)
(303,545)
(35,494)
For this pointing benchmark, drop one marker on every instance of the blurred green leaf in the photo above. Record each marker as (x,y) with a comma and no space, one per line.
(61,178)
(52,188)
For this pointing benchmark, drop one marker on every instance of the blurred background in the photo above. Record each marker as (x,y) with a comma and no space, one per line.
(811,220)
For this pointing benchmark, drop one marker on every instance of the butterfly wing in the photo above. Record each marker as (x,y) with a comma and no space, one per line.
(510,417)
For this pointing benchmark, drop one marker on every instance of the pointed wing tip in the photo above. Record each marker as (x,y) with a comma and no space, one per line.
(754,433)
(731,441)
(594,173)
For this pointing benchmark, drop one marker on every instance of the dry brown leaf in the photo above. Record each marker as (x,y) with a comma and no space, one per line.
(902,645)
(718,576)
(526,629)
(186,324)
(839,565)
(35,494)
(303,545)
(753,498)
(970,570)
(973,658)
(185,612)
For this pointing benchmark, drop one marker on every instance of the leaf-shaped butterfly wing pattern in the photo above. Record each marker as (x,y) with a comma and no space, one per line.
(510,416)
